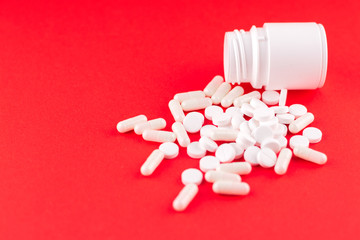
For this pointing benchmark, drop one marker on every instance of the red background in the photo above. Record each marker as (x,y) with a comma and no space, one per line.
(70,71)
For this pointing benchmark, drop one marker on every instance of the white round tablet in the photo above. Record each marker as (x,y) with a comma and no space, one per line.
(236,120)
(208,144)
(263,114)
(194,150)
(257,103)
(233,111)
(261,133)
(285,118)
(211,111)
(208,163)
(245,140)
(250,155)
(266,157)
(222,119)
(298,141)
(206,130)
(244,127)
(270,97)
(271,143)
(193,121)
(313,134)
(282,141)
(169,149)
(247,109)
(253,124)
(297,110)
(225,153)
(191,175)
(239,150)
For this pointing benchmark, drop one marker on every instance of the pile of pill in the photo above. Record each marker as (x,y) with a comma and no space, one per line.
(251,126)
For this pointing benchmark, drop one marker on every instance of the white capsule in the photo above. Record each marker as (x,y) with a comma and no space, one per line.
(208,163)
(220,93)
(285,118)
(225,153)
(247,109)
(189,95)
(297,110)
(191,175)
(185,196)
(280,109)
(270,97)
(158,136)
(310,155)
(250,155)
(193,122)
(231,188)
(194,104)
(282,97)
(206,130)
(246,98)
(271,143)
(283,161)
(213,85)
(176,110)
(245,140)
(208,144)
(229,98)
(194,150)
(302,122)
(155,124)
(313,134)
(224,134)
(240,168)
(152,162)
(129,124)
(213,176)
(266,158)
(181,134)
(257,103)
(211,111)
(169,149)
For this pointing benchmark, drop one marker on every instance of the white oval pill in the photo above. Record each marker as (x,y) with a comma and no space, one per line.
(240,168)
(270,97)
(310,155)
(193,121)
(298,141)
(169,149)
(152,162)
(194,104)
(266,158)
(313,134)
(257,103)
(191,175)
(181,134)
(220,93)
(211,111)
(271,143)
(158,136)
(208,144)
(208,163)
(225,153)
(229,98)
(129,124)
(297,110)
(194,150)
(250,155)
(189,95)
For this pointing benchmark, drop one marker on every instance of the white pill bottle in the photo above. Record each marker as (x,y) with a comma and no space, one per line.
(277,56)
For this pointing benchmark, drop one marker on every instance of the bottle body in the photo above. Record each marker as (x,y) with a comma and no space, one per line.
(277,56)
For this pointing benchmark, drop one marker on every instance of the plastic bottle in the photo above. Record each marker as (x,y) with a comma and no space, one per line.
(277,56)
